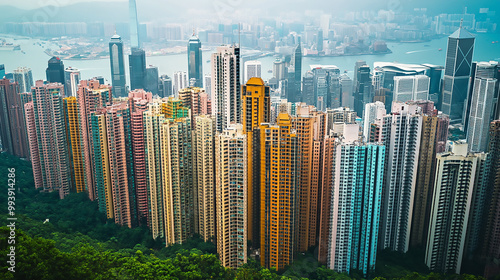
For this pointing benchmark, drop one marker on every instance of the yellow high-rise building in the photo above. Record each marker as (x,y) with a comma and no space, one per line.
(279,191)
(255,111)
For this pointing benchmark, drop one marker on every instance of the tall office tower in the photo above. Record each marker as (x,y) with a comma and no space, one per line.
(309,125)
(55,70)
(208,84)
(91,96)
(256,110)
(401,134)
(491,246)
(279,70)
(252,69)
(377,79)
(197,100)
(2,71)
(346,85)
(294,84)
(117,65)
(231,196)
(433,141)
(204,163)
(72,79)
(434,72)
(13,134)
(307,89)
(327,92)
(101,170)
(75,144)
(457,73)
(152,79)
(339,115)
(46,132)
(483,100)
(407,88)
(138,103)
(179,82)
(133,24)
(363,92)
(24,78)
(177,174)
(195,61)
(480,70)
(357,190)
(451,202)
(226,86)
(117,117)
(165,87)
(326,184)
(137,68)
(357,65)
(280,153)
(373,115)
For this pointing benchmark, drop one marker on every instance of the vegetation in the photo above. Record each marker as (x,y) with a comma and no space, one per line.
(71,239)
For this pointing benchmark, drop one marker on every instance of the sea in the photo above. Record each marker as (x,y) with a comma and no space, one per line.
(487,48)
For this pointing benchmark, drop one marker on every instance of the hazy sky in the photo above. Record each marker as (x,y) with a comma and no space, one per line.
(30,4)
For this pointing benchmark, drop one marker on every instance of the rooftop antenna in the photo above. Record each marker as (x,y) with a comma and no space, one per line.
(461,23)
(193,32)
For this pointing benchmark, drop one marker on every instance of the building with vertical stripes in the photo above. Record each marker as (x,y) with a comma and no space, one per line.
(231,196)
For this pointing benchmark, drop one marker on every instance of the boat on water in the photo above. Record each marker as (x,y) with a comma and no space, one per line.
(494,42)
(4,46)
(440,49)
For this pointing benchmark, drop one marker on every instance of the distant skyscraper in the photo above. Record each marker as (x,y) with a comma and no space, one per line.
(346,84)
(137,65)
(24,78)
(117,64)
(13,134)
(231,196)
(363,92)
(151,82)
(208,84)
(72,79)
(279,70)
(457,73)
(195,61)
(134,25)
(401,133)
(295,81)
(252,69)
(357,190)
(374,113)
(226,87)
(491,246)
(451,205)
(165,86)
(407,88)
(55,71)
(279,198)
(47,138)
(2,71)
(255,111)
(307,89)
(482,103)
(179,82)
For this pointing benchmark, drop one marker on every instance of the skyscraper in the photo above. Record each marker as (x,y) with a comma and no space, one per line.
(152,79)
(346,84)
(231,196)
(256,110)
(195,61)
(363,92)
(133,24)
(253,68)
(72,79)
(117,65)
(24,77)
(226,87)
(280,154)
(46,134)
(295,81)
(13,134)
(374,113)
(457,73)
(204,163)
(179,82)
(307,89)
(454,185)
(401,133)
(408,88)
(55,71)
(165,86)
(491,246)
(357,190)
(2,71)
(137,65)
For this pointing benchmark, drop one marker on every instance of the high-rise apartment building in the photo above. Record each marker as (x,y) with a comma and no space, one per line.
(491,246)
(24,78)
(55,71)
(401,134)
(226,87)
(253,69)
(280,156)
(117,65)
(255,111)
(373,115)
(179,82)
(46,134)
(457,73)
(195,61)
(71,81)
(231,196)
